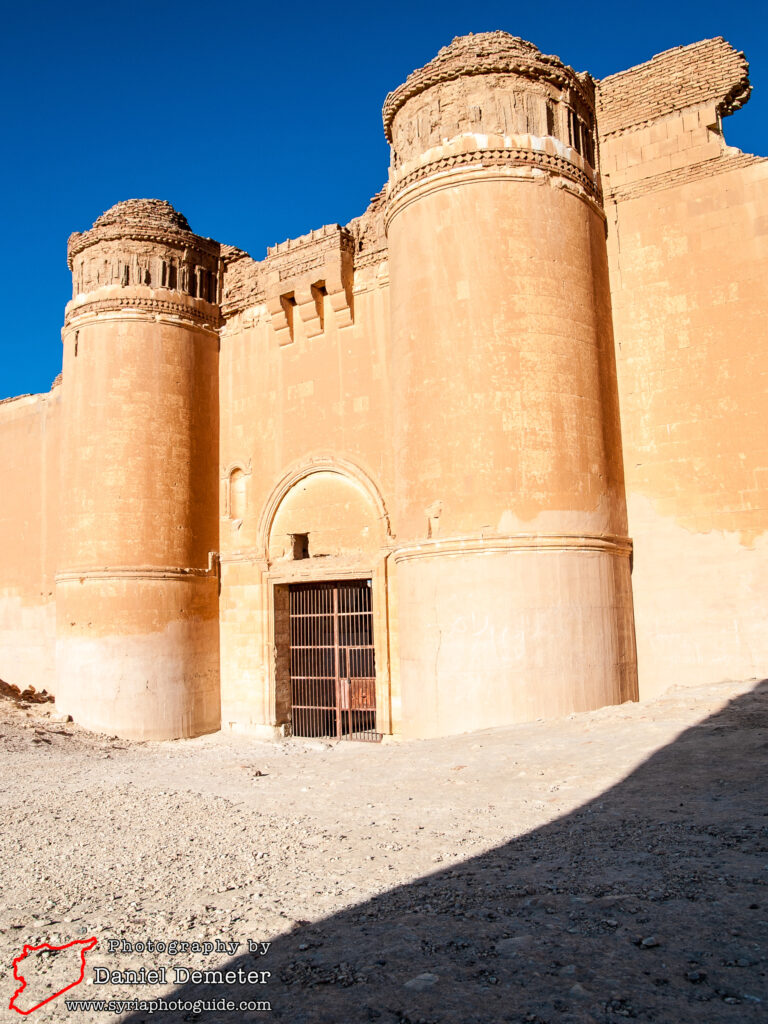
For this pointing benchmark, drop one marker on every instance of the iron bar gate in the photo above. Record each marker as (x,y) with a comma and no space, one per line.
(333,671)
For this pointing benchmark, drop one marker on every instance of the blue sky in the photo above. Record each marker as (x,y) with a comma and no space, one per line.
(257,121)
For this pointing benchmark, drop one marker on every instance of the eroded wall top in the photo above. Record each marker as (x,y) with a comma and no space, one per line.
(490,83)
(710,71)
(144,242)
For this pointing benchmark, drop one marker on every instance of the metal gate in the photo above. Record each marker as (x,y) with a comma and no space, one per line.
(333,671)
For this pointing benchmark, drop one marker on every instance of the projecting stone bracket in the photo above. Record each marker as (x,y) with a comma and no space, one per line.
(309,279)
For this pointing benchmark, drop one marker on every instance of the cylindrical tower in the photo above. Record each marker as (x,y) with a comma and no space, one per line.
(137,587)
(513,560)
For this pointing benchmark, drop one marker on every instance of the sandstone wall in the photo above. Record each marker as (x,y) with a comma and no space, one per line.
(29,468)
(512,554)
(688,247)
(305,383)
(137,581)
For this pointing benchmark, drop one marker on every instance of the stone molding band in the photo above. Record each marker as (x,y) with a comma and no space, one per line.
(152,307)
(602,543)
(140,572)
(482,159)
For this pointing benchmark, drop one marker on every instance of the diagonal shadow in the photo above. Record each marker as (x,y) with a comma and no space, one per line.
(647,903)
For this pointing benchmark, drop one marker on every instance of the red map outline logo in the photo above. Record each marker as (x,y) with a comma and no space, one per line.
(87,945)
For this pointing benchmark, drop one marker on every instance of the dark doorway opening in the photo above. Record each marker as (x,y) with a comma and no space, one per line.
(333,670)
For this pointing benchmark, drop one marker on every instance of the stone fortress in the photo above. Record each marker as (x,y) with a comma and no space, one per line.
(495,450)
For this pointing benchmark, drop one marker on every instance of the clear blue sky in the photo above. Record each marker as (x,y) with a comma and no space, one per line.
(257,121)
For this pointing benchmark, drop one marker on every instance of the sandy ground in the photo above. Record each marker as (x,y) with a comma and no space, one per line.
(610,865)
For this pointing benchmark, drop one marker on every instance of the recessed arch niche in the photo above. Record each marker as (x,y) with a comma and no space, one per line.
(336,512)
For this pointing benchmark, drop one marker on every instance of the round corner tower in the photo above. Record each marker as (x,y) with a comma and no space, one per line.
(137,587)
(513,560)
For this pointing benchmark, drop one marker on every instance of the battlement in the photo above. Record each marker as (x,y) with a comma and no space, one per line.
(311,240)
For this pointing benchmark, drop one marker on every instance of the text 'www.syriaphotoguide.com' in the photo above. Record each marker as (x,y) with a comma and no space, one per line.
(161,1005)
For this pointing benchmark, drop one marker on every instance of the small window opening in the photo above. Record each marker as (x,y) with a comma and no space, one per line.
(319,293)
(126,276)
(172,276)
(550,119)
(77,335)
(288,302)
(300,545)
(589,147)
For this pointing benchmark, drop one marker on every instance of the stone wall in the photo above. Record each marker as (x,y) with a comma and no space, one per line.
(459,395)
(29,468)
(688,246)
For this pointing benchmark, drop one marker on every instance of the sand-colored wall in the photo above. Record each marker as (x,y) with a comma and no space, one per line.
(137,586)
(29,448)
(513,573)
(512,551)
(431,393)
(305,416)
(688,245)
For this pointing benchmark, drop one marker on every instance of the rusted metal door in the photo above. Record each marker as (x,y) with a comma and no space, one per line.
(333,670)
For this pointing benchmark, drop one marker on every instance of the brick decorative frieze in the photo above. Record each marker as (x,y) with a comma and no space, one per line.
(202,314)
(518,157)
(490,84)
(144,242)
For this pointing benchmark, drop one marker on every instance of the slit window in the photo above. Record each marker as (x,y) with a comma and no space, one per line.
(288,302)
(319,293)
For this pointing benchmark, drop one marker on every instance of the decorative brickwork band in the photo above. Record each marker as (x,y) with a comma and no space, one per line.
(497,157)
(148,305)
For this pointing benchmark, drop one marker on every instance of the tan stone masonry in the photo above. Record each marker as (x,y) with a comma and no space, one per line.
(520,398)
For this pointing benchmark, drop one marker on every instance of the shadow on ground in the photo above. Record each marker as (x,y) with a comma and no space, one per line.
(648,903)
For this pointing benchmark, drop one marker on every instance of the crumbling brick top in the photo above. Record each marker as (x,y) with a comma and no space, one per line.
(482,54)
(147,213)
(142,219)
(711,70)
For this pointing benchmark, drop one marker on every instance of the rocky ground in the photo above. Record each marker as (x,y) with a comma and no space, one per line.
(610,865)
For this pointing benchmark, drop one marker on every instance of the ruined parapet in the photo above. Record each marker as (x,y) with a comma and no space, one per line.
(710,72)
(510,513)
(495,100)
(370,233)
(137,587)
(242,281)
(660,123)
(146,246)
(310,277)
